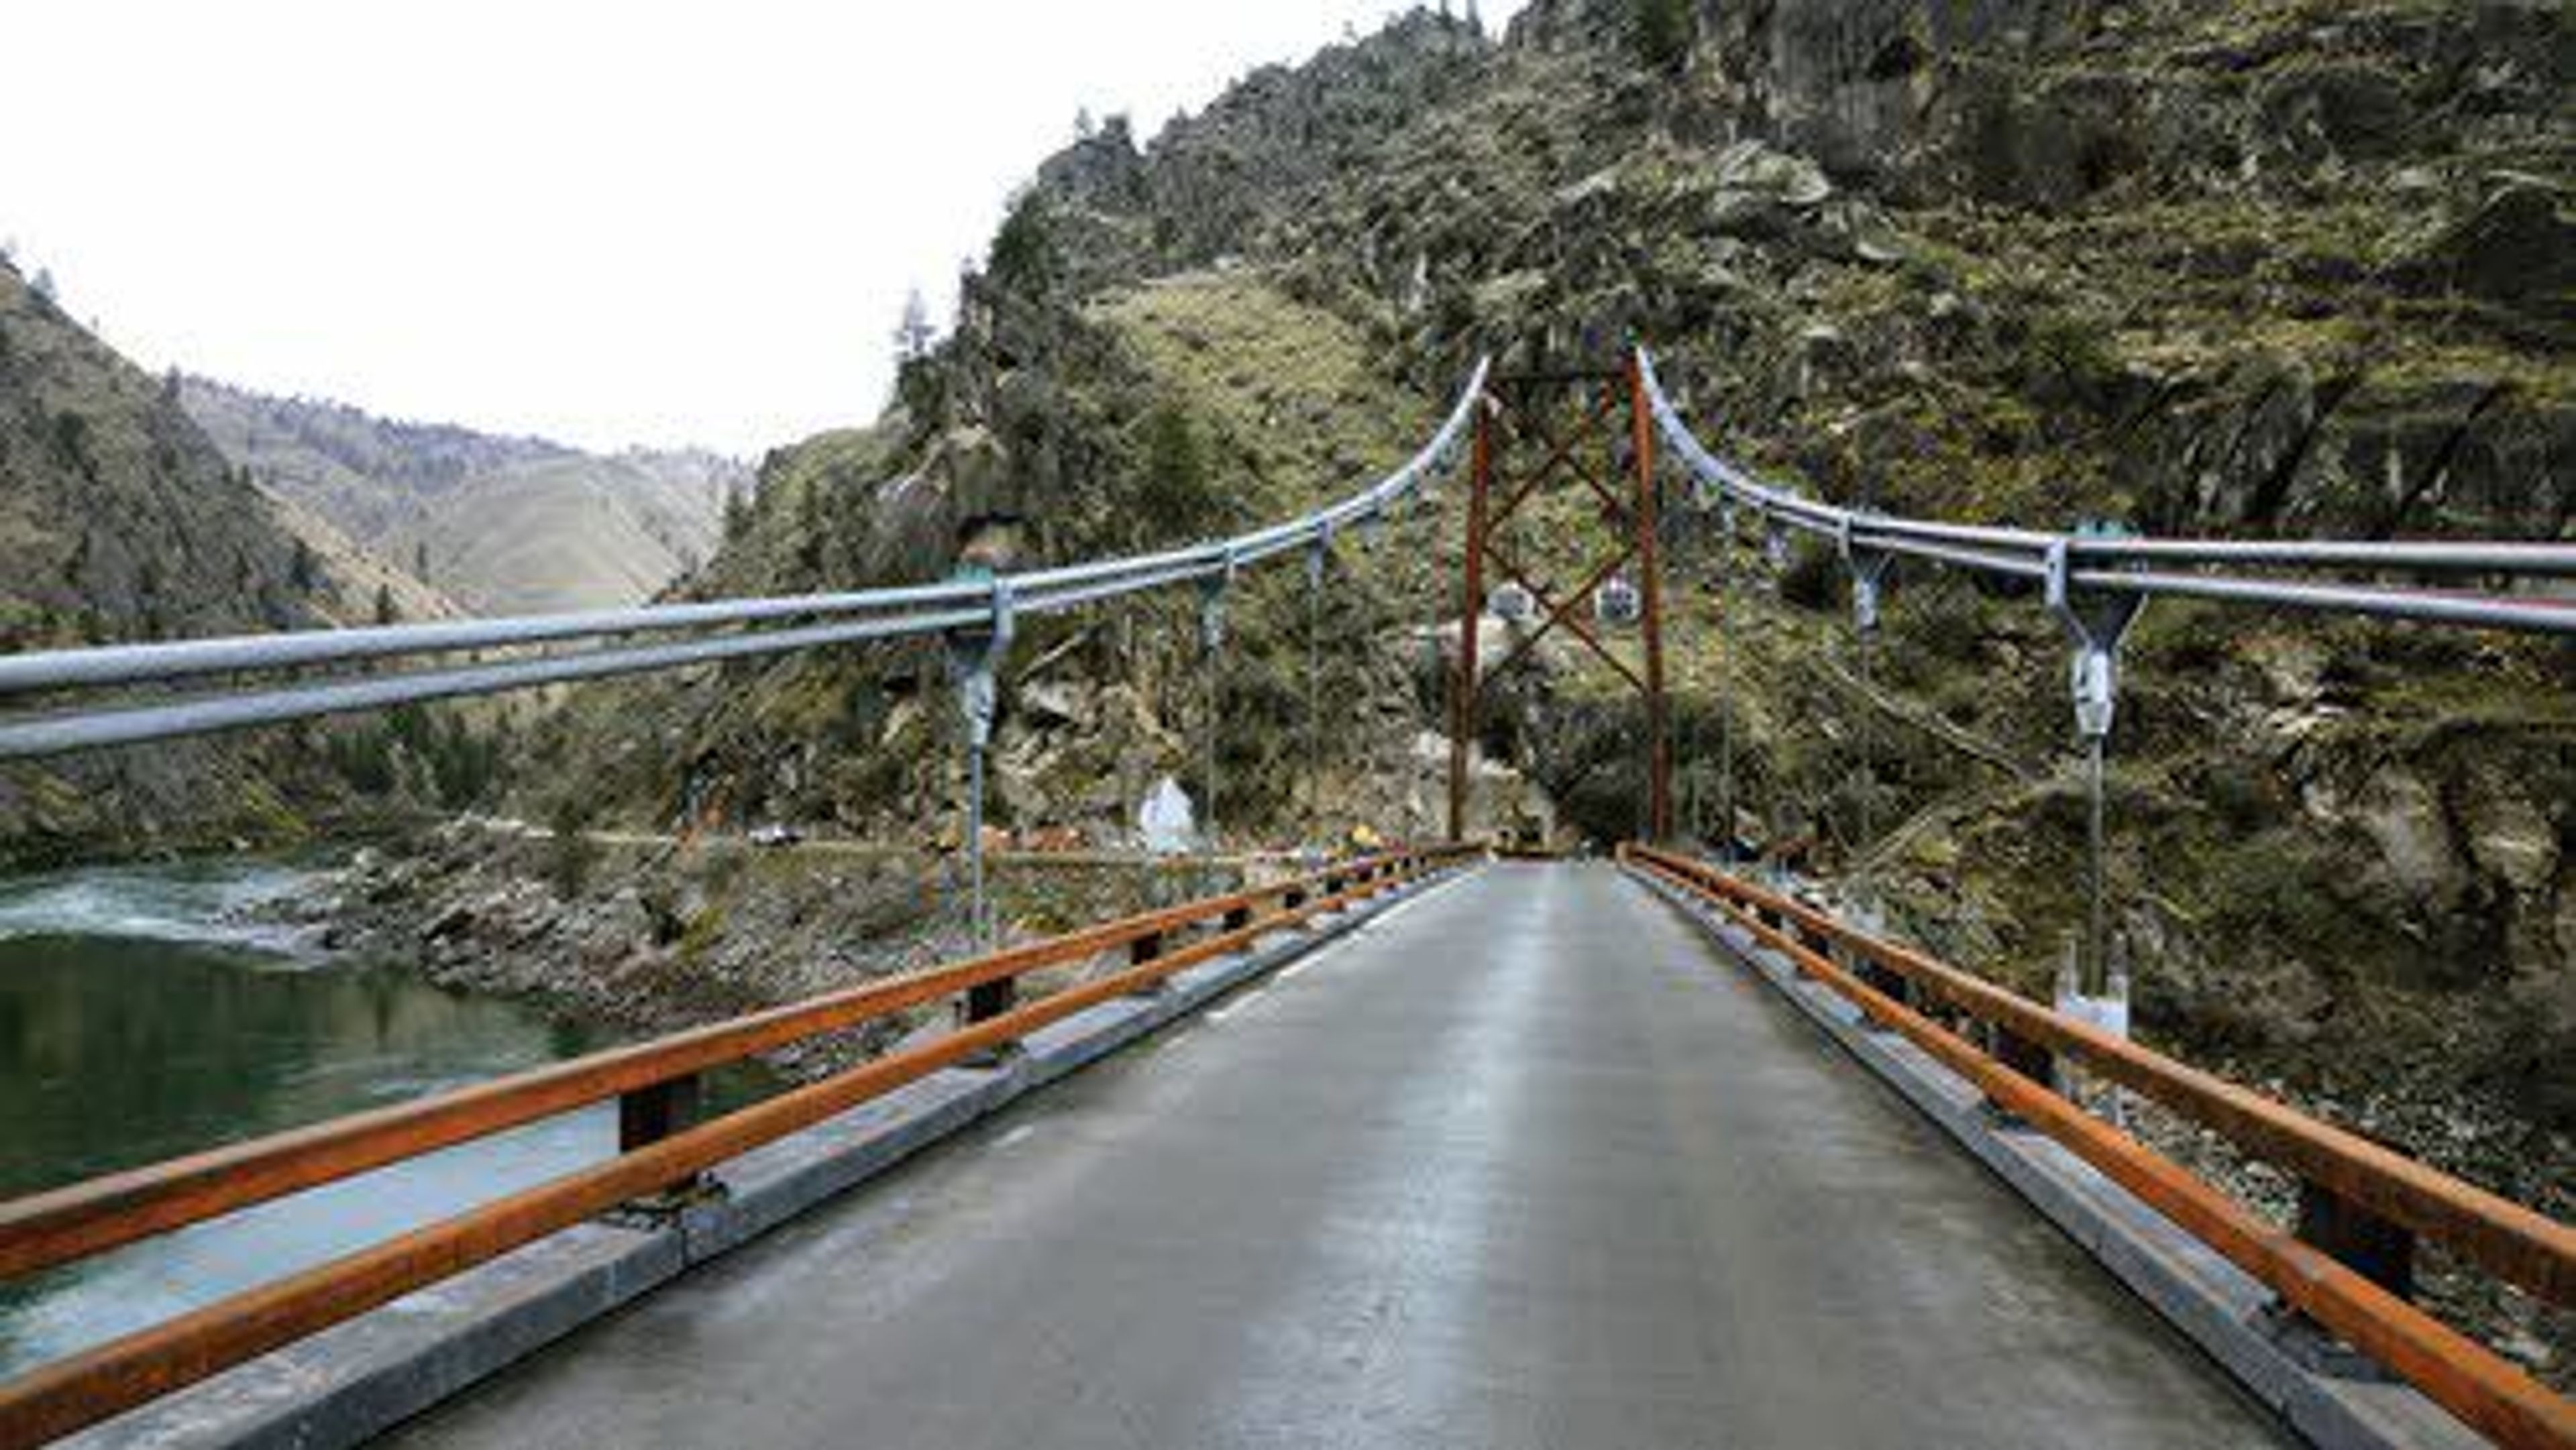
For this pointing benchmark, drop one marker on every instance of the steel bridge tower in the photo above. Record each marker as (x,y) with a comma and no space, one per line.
(1535,431)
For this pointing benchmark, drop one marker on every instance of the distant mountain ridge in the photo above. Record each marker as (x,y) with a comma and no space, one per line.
(501,525)
(119,520)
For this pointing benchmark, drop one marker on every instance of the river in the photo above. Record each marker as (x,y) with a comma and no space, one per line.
(142,1015)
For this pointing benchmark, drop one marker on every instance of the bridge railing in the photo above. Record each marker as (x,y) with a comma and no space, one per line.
(2130,568)
(707,632)
(1899,987)
(661,1147)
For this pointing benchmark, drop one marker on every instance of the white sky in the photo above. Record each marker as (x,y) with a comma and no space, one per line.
(607,223)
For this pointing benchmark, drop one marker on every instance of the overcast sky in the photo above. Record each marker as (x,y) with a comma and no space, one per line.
(608,223)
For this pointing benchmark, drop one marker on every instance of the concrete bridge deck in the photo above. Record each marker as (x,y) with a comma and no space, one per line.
(1523,1163)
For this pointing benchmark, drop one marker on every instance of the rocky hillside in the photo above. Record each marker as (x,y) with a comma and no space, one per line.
(500,525)
(2214,265)
(1109,423)
(2236,266)
(120,521)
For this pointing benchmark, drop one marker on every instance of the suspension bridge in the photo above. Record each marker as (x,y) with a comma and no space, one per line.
(1420,1147)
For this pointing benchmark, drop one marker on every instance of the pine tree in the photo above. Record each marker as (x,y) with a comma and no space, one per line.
(1025,259)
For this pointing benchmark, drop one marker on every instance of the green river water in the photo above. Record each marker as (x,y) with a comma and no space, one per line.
(139,1019)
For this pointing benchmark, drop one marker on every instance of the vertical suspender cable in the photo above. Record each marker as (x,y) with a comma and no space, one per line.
(1316,563)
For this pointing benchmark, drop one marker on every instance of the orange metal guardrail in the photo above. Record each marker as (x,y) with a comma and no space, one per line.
(87,1218)
(2513,1242)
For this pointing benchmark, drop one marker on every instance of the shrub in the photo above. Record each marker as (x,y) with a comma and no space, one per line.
(1661,30)
(1175,499)
(1813,578)
(571,852)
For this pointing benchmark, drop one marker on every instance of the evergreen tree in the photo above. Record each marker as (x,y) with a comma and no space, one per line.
(1025,259)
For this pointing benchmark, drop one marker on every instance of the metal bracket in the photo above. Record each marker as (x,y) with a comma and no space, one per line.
(974,658)
(1212,591)
(2096,623)
(1868,566)
(1319,554)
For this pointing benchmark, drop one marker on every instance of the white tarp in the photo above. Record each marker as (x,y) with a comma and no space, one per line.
(1165,819)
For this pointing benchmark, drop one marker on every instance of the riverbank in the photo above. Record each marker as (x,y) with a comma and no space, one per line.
(151,1012)
(655,934)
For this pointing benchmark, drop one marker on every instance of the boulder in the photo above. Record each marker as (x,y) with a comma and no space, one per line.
(2510,837)
(2403,816)
(2518,246)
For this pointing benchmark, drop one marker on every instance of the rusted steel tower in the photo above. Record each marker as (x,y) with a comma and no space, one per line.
(1533,431)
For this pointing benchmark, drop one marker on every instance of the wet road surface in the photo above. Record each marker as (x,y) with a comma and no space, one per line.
(1524,1163)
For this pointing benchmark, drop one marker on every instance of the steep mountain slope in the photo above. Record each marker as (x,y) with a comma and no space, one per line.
(2202,265)
(362,585)
(501,525)
(2232,266)
(119,521)
(1131,421)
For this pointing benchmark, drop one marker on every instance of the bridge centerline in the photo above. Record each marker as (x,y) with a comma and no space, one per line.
(1298,1225)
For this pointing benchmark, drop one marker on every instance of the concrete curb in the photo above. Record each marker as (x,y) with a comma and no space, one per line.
(355,1380)
(2218,1306)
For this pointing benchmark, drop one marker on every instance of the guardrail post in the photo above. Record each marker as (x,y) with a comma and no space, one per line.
(2031,1059)
(653,1112)
(2374,1247)
(1885,980)
(988,1000)
(1140,951)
